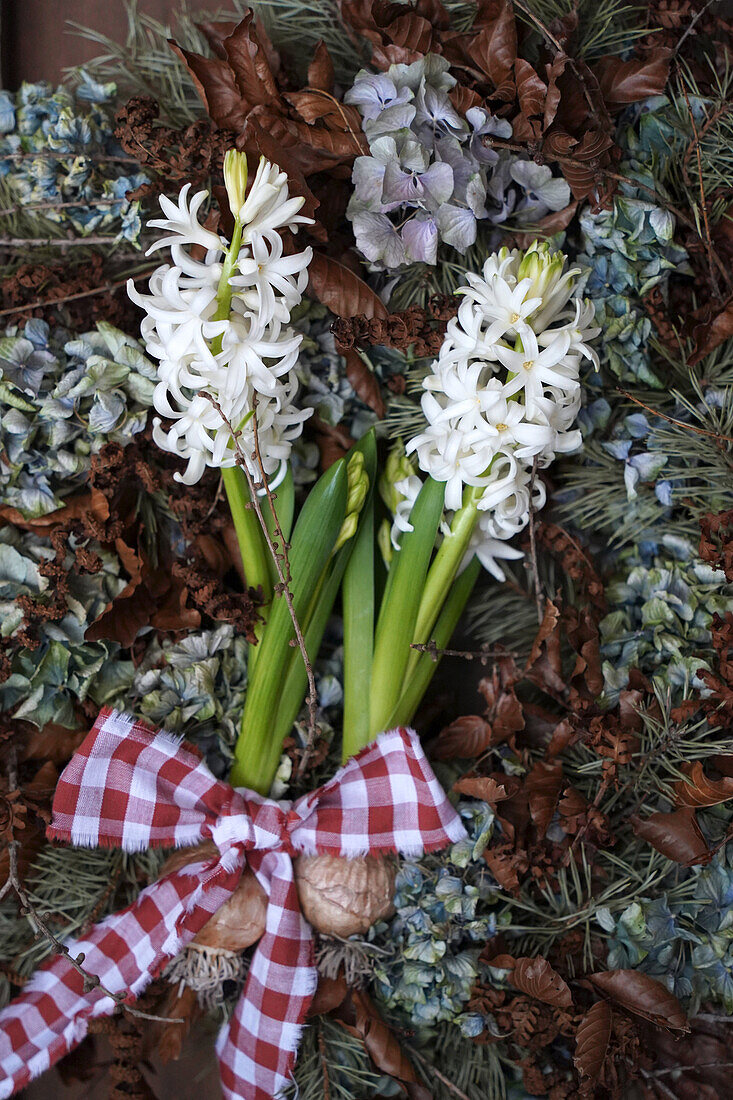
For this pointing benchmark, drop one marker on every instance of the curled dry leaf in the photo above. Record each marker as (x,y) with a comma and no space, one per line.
(488,788)
(676,835)
(591,1041)
(697,790)
(467,737)
(623,82)
(543,786)
(536,978)
(642,995)
(342,291)
(360,1016)
(364,382)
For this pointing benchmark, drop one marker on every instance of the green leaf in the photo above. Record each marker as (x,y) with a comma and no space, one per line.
(316,530)
(398,614)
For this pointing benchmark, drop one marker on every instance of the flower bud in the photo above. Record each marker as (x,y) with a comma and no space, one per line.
(235,179)
(357,482)
(397,468)
(348,530)
(543,267)
(384,542)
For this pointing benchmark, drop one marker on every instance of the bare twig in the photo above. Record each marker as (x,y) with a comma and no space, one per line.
(312,700)
(27,909)
(708,241)
(45,303)
(533,545)
(56,242)
(51,154)
(484,655)
(324,1065)
(439,1076)
(22,208)
(717,436)
(698,15)
(279,556)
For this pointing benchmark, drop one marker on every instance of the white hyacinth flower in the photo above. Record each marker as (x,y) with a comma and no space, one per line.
(244,361)
(504,392)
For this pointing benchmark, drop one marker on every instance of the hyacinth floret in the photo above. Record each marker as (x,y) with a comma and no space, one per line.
(214,372)
(504,392)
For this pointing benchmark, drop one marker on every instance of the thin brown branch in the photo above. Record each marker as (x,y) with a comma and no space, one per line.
(312,700)
(533,564)
(279,556)
(717,436)
(484,655)
(439,1076)
(51,154)
(46,303)
(324,1065)
(56,242)
(27,909)
(22,208)
(708,240)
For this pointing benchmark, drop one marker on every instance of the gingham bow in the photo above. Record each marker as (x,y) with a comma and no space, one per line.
(132,787)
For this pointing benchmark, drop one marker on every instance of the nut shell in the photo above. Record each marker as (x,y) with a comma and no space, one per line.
(344,896)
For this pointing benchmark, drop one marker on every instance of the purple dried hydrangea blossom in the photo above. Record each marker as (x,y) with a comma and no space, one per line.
(430,178)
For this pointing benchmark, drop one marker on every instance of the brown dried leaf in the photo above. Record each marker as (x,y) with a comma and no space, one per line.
(343,292)
(676,835)
(364,382)
(486,787)
(465,737)
(697,790)
(320,70)
(536,978)
(531,90)
(592,1039)
(642,995)
(623,82)
(543,786)
(250,64)
(494,48)
(711,332)
(383,1046)
(217,87)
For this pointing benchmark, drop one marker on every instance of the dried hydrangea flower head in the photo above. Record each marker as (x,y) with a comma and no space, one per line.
(505,391)
(219,325)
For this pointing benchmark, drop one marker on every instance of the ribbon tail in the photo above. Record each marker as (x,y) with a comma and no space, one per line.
(125,952)
(257,1048)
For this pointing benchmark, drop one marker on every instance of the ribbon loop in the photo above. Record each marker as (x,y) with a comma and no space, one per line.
(133,787)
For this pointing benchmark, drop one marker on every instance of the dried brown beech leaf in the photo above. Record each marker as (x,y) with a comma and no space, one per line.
(697,790)
(591,1041)
(536,978)
(343,292)
(543,786)
(320,70)
(494,48)
(531,90)
(364,382)
(544,664)
(466,737)
(547,226)
(382,1044)
(488,788)
(623,82)
(215,83)
(676,835)
(642,995)
(710,332)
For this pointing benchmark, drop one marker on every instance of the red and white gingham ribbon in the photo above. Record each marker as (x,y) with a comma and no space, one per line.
(133,788)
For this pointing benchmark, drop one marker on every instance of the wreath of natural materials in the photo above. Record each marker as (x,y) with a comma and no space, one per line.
(414,407)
